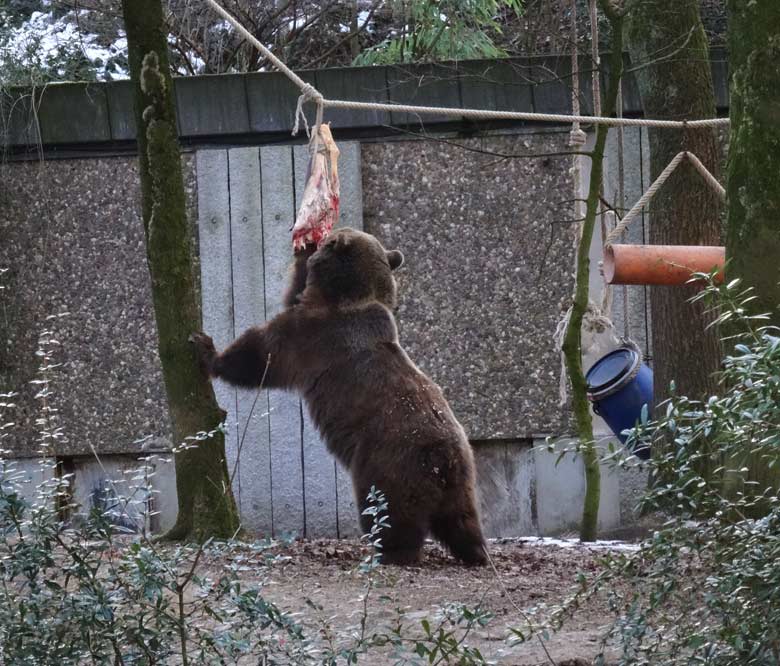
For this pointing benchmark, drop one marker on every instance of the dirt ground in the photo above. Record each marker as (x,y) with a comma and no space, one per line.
(530,573)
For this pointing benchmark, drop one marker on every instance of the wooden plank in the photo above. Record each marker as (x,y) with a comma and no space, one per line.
(285,411)
(215,273)
(350,175)
(359,84)
(121,113)
(213,104)
(252,482)
(502,85)
(319,467)
(349,525)
(351,215)
(424,85)
(74,113)
(330,505)
(272,98)
(505,473)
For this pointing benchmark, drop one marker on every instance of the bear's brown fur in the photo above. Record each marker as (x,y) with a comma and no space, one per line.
(336,343)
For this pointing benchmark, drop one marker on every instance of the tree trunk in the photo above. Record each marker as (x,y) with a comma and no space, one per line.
(753,187)
(572,342)
(667,43)
(206,504)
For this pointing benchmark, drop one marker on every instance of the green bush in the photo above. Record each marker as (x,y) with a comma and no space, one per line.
(96,589)
(705,589)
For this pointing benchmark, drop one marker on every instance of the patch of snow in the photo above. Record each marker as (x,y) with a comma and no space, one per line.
(44,38)
(198,62)
(362,19)
(571,543)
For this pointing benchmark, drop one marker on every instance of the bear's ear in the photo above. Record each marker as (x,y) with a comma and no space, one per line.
(342,242)
(395,259)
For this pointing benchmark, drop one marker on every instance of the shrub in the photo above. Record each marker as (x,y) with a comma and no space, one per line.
(705,589)
(99,590)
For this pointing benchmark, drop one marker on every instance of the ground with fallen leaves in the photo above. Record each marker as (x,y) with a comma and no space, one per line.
(528,573)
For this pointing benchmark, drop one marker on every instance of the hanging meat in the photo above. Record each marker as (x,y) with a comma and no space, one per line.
(319,209)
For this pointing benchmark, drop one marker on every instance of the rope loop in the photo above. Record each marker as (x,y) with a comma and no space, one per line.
(308,93)
(577,137)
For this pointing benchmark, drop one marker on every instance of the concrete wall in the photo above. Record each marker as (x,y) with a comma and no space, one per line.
(73,242)
(487,265)
(488,269)
(483,216)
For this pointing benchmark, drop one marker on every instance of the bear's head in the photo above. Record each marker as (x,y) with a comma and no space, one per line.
(352,267)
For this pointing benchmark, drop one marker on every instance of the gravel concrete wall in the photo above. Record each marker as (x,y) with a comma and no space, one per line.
(73,243)
(488,269)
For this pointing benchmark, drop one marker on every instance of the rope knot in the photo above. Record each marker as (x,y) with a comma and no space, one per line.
(308,93)
(577,137)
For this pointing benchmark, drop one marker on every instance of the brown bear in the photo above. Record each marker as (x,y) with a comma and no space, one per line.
(336,343)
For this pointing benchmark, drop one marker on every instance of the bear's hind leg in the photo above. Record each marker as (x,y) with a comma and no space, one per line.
(457,526)
(401,542)
(401,556)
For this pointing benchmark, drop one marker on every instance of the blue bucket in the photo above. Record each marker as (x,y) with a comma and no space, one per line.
(619,385)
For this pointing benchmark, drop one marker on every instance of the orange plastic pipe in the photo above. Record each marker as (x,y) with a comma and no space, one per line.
(661,264)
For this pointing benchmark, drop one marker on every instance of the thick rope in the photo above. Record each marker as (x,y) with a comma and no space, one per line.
(309,92)
(297,80)
(576,137)
(485,114)
(594,49)
(711,180)
(621,207)
(657,183)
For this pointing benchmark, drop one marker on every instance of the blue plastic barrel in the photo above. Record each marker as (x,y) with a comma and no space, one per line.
(619,385)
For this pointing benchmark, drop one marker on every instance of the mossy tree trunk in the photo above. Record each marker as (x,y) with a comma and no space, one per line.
(667,43)
(753,187)
(753,178)
(206,504)
(572,342)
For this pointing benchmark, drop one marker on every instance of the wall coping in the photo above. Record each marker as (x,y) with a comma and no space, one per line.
(258,108)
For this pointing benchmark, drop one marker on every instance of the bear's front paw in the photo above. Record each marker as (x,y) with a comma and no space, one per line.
(205,351)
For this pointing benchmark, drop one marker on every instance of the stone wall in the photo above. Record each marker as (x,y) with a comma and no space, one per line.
(488,269)
(73,243)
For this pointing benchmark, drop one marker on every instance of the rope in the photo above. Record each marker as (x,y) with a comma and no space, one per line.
(309,92)
(284,69)
(621,208)
(711,180)
(594,49)
(645,198)
(576,137)
(484,114)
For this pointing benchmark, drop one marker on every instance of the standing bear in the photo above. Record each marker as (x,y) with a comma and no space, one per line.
(336,343)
